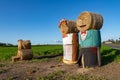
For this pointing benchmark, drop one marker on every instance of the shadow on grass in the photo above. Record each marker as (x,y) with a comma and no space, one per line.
(109,56)
(47,56)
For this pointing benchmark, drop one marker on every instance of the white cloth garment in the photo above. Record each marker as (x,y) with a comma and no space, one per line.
(68,39)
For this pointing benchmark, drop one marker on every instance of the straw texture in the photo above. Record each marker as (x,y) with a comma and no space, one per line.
(68,26)
(89,20)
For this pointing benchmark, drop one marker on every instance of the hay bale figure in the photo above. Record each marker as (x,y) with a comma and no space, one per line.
(70,41)
(71,48)
(89,25)
(24,51)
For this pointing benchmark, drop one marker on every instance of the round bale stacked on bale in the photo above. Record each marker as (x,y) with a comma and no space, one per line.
(70,41)
(24,51)
(89,25)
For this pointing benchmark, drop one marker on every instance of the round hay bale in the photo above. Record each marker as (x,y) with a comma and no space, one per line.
(68,26)
(89,20)
(25,54)
(24,44)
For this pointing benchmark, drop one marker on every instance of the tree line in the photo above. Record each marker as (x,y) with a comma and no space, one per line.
(115,41)
(6,44)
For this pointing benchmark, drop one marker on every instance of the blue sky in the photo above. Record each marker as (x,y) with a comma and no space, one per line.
(37,20)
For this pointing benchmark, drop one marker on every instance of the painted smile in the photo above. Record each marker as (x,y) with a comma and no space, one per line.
(82,26)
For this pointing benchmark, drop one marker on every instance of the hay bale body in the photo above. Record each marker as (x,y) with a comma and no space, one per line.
(24,44)
(88,20)
(71,48)
(25,54)
(68,26)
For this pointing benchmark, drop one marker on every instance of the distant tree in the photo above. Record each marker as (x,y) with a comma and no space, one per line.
(117,41)
(2,44)
(6,44)
(9,44)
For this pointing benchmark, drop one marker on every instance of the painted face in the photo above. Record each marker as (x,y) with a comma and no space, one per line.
(84,21)
(89,20)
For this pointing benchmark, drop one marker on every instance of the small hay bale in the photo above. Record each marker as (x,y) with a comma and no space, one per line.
(89,20)
(24,44)
(68,26)
(25,54)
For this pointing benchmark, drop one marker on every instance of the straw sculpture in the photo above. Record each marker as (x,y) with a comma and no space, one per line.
(24,51)
(71,48)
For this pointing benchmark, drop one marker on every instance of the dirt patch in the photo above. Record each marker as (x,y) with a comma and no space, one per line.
(32,70)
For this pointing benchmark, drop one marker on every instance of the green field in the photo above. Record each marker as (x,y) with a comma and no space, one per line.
(7,52)
(108,54)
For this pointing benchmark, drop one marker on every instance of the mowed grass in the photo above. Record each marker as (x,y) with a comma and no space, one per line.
(107,54)
(61,75)
(47,49)
(6,53)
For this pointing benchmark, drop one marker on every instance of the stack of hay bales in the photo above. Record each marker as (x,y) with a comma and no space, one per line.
(70,41)
(24,51)
(88,21)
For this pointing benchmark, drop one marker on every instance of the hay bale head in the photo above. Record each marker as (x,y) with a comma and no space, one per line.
(24,44)
(68,26)
(88,20)
(25,54)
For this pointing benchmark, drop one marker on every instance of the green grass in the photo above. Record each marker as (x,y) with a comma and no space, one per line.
(61,75)
(7,52)
(47,49)
(108,54)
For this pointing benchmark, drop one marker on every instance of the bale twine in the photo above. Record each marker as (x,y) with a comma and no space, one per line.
(68,26)
(89,20)
(24,44)
(25,54)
